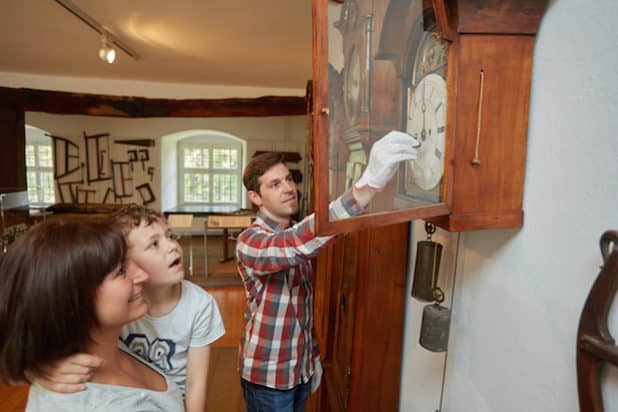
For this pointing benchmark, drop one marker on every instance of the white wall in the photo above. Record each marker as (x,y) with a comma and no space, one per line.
(519,293)
(282,133)
(138,88)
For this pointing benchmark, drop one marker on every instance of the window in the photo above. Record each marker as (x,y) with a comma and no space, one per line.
(210,170)
(39,170)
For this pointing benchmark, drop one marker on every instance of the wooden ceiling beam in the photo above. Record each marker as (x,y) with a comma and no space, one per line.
(34,100)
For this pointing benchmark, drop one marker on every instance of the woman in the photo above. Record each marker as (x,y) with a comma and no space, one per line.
(64,289)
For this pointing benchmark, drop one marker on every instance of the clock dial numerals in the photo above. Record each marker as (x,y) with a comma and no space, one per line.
(427,124)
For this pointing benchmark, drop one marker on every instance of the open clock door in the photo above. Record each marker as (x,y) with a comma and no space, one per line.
(379,66)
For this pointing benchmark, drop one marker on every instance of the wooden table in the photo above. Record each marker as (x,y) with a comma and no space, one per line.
(227,222)
(223,217)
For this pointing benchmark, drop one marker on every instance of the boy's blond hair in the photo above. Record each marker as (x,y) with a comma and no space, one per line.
(131,216)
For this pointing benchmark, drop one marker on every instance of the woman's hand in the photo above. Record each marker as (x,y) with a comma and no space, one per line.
(69,374)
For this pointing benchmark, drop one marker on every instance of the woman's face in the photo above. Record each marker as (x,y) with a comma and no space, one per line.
(119,298)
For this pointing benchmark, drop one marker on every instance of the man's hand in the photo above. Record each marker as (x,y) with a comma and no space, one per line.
(69,374)
(317,375)
(384,158)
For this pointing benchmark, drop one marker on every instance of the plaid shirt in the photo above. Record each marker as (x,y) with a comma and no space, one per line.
(278,349)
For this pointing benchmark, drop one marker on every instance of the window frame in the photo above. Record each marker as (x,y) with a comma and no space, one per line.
(37,142)
(209,142)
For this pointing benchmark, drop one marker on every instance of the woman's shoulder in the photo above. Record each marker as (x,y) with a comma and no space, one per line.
(102,398)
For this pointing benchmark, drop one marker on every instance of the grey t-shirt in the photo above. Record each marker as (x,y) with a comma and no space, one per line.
(107,398)
(165,341)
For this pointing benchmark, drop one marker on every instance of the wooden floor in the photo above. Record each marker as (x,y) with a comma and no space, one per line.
(12,399)
(224,392)
(219,273)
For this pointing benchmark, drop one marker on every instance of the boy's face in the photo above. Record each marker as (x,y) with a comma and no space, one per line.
(155,250)
(278,197)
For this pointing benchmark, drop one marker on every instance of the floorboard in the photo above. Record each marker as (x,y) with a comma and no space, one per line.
(224,392)
(220,273)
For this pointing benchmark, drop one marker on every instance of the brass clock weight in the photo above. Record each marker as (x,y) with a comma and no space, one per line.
(435,323)
(427,266)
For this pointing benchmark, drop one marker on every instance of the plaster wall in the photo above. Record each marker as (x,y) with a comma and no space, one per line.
(281,133)
(138,88)
(518,293)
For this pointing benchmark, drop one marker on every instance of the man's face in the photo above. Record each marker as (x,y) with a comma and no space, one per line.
(278,198)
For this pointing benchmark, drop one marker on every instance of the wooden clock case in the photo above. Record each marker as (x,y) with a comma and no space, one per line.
(492,37)
(360,285)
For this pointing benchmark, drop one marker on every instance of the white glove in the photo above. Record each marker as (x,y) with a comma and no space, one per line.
(317,375)
(384,158)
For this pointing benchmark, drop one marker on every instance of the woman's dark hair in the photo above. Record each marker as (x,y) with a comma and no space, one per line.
(48,285)
(257,166)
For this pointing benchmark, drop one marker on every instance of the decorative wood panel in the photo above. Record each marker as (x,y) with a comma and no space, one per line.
(490,195)
(361,323)
(503,16)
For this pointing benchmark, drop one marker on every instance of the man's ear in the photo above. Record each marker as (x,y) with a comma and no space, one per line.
(255,198)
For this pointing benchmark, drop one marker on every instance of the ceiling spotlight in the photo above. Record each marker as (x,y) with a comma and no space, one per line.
(106,52)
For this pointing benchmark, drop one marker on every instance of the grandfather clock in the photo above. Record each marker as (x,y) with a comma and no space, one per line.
(455,75)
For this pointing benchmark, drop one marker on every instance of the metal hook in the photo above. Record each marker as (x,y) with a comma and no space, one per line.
(430,228)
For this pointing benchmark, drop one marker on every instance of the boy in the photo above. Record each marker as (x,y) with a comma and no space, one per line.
(182,319)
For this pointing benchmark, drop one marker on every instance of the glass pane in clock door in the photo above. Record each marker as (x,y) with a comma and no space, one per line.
(349,114)
(387,70)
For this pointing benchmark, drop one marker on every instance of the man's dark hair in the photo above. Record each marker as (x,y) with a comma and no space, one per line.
(49,277)
(257,166)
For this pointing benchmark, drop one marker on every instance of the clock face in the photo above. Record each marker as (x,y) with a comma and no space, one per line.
(431,57)
(427,123)
(352,87)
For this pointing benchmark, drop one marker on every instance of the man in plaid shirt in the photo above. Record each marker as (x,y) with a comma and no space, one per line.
(279,359)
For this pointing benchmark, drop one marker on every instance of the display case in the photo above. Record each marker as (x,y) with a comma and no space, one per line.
(455,75)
